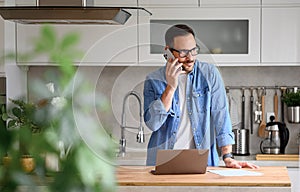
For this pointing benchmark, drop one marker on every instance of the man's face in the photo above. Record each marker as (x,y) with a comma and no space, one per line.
(186,42)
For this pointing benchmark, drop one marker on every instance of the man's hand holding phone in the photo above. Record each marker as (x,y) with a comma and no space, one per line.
(173,69)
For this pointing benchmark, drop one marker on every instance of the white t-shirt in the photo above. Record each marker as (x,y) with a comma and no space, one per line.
(184,137)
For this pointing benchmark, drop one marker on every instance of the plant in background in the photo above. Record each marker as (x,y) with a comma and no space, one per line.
(292,99)
(82,168)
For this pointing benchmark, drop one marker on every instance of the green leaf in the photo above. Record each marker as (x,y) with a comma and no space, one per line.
(69,41)
(11,123)
(3,109)
(17,112)
(4,116)
(47,40)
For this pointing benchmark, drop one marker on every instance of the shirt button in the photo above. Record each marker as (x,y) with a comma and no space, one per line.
(190,113)
(177,116)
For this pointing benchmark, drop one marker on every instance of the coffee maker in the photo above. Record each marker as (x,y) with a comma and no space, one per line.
(277,137)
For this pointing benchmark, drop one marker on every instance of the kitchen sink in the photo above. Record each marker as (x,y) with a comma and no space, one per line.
(132,158)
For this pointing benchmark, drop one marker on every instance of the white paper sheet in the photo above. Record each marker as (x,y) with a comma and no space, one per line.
(235,172)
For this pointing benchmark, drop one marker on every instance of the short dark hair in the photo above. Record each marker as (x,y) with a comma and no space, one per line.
(177,30)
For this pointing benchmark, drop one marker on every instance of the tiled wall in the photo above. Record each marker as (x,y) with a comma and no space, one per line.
(115,82)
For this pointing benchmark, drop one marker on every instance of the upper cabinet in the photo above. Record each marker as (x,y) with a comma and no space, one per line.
(168,3)
(25,2)
(280,36)
(115,3)
(226,36)
(280,2)
(229,3)
(100,44)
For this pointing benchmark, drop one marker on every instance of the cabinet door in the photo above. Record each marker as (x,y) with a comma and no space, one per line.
(115,3)
(227,36)
(100,44)
(229,3)
(280,2)
(280,35)
(95,3)
(168,3)
(25,2)
(294,174)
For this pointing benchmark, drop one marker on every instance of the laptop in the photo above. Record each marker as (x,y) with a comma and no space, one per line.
(182,161)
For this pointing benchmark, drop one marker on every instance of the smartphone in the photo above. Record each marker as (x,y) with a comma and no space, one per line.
(168,54)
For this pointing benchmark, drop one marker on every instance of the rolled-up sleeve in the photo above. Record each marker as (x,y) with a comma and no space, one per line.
(155,113)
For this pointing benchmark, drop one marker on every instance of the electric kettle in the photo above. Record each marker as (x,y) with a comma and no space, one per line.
(277,138)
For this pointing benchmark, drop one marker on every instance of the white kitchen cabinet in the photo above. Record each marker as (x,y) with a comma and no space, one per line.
(25,2)
(280,36)
(280,2)
(294,174)
(168,3)
(229,3)
(100,44)
(231,34)
(115,3)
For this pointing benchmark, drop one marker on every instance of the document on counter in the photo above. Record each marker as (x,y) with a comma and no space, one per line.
(235,172)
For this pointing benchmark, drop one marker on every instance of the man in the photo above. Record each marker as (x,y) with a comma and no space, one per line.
(185,103)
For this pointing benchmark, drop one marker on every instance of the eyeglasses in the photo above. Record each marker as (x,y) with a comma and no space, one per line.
(184,52)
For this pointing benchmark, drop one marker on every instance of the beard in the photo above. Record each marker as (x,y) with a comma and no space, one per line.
(188,61)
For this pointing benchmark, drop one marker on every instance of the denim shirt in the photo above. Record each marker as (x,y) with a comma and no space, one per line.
(207,110)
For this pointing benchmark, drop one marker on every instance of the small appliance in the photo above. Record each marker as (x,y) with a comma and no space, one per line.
(277,137)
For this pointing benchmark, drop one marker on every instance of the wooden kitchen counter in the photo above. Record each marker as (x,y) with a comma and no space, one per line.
(273,178)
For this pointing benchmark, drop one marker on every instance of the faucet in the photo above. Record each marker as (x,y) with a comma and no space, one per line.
(140,136)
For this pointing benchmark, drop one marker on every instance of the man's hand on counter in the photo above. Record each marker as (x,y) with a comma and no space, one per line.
(232,163)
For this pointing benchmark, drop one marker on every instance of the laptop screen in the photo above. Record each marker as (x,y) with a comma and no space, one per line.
(185,161)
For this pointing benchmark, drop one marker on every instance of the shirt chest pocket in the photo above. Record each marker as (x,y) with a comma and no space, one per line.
(200,99)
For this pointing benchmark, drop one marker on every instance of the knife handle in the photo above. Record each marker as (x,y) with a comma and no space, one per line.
(276,106)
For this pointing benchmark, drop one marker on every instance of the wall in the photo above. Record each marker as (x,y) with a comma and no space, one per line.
(115,82)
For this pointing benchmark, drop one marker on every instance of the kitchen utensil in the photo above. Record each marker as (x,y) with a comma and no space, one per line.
(271,145)
(284,134)
(283,91)
(277,139)
(251,110)
(262,126)
(257,113)
(243,109)
(241,146)
(233,109)
(276,105)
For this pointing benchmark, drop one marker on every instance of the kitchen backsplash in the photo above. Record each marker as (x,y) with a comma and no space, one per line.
(115,82)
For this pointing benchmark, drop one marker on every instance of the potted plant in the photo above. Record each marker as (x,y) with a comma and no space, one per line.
(66,116)
(292,100)
(21,117)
